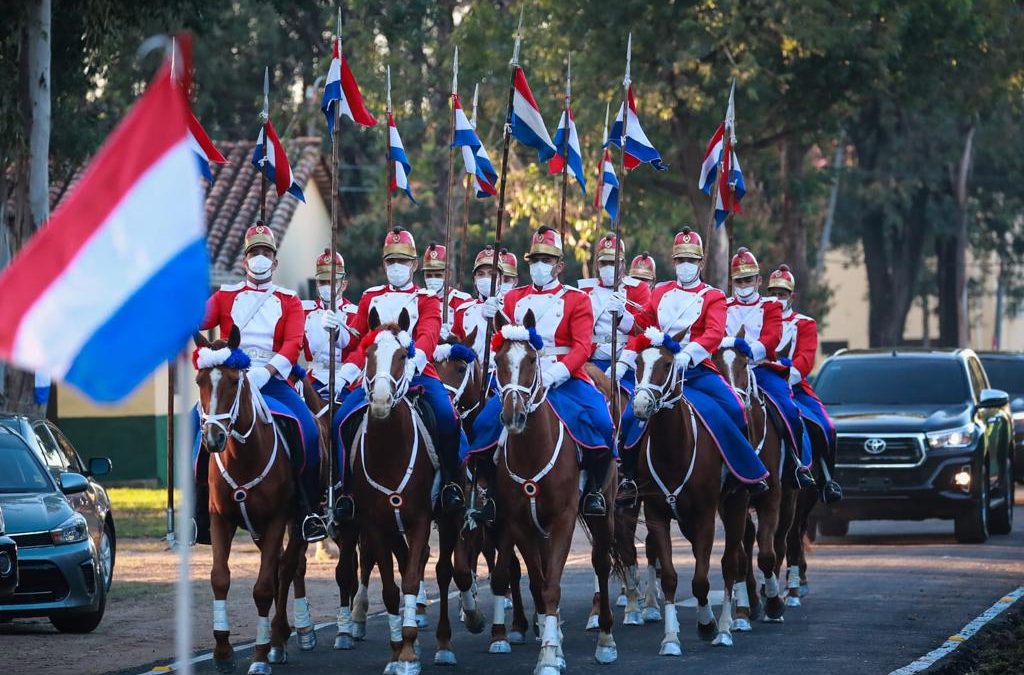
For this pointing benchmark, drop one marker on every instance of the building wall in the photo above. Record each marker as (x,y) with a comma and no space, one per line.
(308,235)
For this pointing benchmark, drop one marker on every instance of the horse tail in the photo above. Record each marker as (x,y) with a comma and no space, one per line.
(621,548)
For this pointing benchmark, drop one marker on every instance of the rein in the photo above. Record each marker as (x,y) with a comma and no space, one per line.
(665,395)
(750,394)
(456,393)
(672,496)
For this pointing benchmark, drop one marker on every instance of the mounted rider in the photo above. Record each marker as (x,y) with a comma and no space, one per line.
(759,319)
(435,267)
(797,352)
(321,320)
(469,315)
(272,322)
(697,312)
(644,268)
(424,309)
(565,323)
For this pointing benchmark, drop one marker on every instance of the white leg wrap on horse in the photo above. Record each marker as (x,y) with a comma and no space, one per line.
(499,610)
(302,617)
(220,615)
(468,600)
(704,614)
(739,591)
(597,584)
(395,624)
(793,577)
(551,632)
(421,598)
(262,630)
(652,585)
(409,620)
(344,620)
(771,586)
(671,619)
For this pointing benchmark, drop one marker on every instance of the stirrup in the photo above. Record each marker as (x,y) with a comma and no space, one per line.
(313,528)
(831,493)
(805,480)
(594,504)
(452,498)
(627,493)
(344,509)
(758,488)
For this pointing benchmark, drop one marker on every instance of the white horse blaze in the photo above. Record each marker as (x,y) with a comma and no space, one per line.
(215,376)
(387,345)
(643,400)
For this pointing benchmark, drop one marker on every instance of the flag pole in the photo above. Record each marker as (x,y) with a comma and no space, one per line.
(565,145)
(265,117)
(730,131)
(507,141)
(616,403)
(332,356)
(172,373)
(465,197)
(389,165)
(710,227)
(448,196)
(598,192)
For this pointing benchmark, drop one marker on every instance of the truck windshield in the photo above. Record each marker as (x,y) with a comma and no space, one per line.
(892,380)
(1005,374)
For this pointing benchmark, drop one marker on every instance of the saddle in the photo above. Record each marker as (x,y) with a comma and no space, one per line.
(415,396)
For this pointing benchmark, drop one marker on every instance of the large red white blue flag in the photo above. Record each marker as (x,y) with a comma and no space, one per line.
(527,124)
(275,163)
(116,281)
(639,149)
(728,184)
(340,88)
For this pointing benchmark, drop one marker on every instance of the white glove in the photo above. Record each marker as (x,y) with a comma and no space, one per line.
(347,374)
(682,360)
(419,361)
(617,303)
(555,374)
(410,369)
(795,377)
(446,331)
(330,320)
(258,377)
(621,368)
(490,308)
(728,343)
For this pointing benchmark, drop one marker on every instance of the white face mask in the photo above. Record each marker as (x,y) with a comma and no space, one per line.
(746,293)
(325,293)
(260,267)
(434,284)
(540,273)
(607,274)
(483,286)
(687,272)
(506,287)
(398,274)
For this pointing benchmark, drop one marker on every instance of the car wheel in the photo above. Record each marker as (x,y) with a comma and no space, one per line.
(1001,521)
(971,527)
(108,552)
(85,622)
(834,527)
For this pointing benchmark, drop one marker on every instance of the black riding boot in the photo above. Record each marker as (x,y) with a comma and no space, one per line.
(310,523)
(628,492)
(831,491)
(482,507)
(201,515)
(452,497)
(596,464)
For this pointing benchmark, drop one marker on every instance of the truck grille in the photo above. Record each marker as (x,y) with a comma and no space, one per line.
(866,450)
(32,539)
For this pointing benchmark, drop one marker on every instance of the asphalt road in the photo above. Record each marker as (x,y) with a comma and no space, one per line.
(879,598)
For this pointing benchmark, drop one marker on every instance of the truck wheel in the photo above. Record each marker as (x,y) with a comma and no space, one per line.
(834,527)
(1001,520)
(971,527)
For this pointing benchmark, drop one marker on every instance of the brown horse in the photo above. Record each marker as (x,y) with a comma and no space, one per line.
(680,478)
(774,508)
(803,527)
(537,484)
(251,486)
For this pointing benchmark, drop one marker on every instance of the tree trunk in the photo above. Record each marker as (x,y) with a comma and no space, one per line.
(952,264)
(946,280)
(792,240)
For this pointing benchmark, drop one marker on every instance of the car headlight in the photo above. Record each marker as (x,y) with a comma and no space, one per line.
(952,438)
(71,531)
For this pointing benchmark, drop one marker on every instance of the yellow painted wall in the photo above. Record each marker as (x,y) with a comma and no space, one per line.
(308,235)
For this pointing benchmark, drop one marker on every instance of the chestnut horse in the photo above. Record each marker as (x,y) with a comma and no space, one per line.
(680,478)
(251,486)
(774,508)
(538,487)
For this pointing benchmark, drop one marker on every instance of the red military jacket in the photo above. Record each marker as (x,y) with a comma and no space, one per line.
(424,310)
(799,343)
(761,321)
(637,295)
(270,319)
(697,313)
(565,321)
(469,316)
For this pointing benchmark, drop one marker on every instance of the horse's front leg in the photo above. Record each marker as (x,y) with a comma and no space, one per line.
(659,539)
(345,575)
(444,655)
(703,528)
(292,561)
(600,557)
(417,533)
(551,659)
(734,518)
(265,590)
(221,534)
(652,596)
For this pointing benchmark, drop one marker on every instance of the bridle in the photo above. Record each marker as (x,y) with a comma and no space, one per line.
(456,393)
(260,412)
(531,397)
(750,394)
(399,386)
(666,394)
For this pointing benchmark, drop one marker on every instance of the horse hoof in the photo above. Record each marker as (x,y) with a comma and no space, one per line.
(707,631)
(508,603)
(516,637)
(560,662)
(474,621)
(651,615)
(670,649)
(773,610)
(307,639)
(741,625)
(546,670)
(277,655)
(259,668)
(621,601)
(422,621)
(757,612)
(593,622)
(632,619)
(445,657)
(344,641)
(793,601)
(224,666)
(607,654)
(773,619)
(500,647)
(391,668)
(722,640)
(804,589)
(359,630)
(407,668)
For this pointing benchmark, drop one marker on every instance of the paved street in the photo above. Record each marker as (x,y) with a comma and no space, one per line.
(880,598)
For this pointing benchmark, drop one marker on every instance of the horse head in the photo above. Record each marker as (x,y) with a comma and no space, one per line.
(517,369)
(221,367)
(457,366)
(659,384)
(736,368)
(389,360)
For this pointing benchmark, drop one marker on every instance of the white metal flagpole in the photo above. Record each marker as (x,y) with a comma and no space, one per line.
(183,524)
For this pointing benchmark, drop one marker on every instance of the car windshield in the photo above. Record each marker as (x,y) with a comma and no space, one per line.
(892,380)
(1005,374)
(20,471)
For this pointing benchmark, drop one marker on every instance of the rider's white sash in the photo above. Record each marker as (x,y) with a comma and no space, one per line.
(258,312)
(678,310)
(390,305)
(548,309)
(748,317)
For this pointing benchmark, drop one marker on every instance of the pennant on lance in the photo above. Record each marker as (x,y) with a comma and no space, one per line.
(607,195)
(340,88)
(277,168)
(203,147)
(721,166)
(396,154)
(571,148)
(639,149)
(527,124)
(126,247)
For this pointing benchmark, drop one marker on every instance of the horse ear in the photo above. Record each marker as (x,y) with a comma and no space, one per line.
(678,337)
(403,320)
(373,321)
(529,321)
(235,338)
(742,332)
(200,340)
(500,321)
(471,338)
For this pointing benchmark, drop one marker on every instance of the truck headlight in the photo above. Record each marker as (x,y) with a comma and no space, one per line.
(71,531)
(960,437)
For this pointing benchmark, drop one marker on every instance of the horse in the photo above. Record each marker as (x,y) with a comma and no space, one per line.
(251,486)
(774,508)
(537,484)
(680,478)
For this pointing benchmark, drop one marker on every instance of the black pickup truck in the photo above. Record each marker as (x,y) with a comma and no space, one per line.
(920,435)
